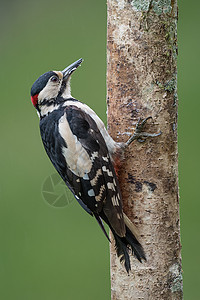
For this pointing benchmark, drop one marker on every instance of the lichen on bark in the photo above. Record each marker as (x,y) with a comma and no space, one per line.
(158,6)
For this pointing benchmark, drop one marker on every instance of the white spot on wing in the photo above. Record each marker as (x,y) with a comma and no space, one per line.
(115,201)
(91,193)
(98,198)
(105,158)
(107,171)
(94,155)
(94,180)
(110,186)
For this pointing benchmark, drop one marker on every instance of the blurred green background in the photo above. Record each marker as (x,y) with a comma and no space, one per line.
(51,253)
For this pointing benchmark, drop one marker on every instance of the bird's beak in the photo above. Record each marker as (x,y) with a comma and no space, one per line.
(70,69)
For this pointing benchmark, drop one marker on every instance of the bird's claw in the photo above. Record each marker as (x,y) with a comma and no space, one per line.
(139,134)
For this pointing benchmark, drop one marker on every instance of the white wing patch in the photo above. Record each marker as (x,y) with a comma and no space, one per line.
(94,155)
(115,201)
(75,155)
(94,180)
(105,158)
(110,186)
(91,193)
(114,182)
(107,171)
(111,144)
(98,198)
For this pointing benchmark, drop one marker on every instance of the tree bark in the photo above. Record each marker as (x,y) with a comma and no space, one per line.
(141,82)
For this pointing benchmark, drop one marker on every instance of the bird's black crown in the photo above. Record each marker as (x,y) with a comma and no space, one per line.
(40,83)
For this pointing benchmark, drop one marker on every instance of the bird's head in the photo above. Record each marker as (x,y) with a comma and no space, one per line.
(51,87)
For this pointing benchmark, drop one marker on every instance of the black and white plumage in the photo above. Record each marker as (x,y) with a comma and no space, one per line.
(83,153)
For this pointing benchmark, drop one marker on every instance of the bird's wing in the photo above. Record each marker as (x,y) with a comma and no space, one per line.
(54,145)
(90,171)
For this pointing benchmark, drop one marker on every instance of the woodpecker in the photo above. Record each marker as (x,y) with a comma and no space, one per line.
(85,156)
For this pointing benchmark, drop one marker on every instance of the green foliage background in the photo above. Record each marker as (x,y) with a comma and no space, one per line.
(49,253)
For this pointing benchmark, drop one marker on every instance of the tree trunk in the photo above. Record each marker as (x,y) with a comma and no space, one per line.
(141,82)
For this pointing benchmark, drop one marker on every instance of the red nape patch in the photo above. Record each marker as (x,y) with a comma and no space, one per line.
(34,99)
(117,164)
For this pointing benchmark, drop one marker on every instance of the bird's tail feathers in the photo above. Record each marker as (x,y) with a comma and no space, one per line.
(131,226)
(129,242)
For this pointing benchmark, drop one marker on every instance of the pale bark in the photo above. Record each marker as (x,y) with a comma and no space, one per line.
(141,82)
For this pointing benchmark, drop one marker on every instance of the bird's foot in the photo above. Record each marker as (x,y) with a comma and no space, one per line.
(139,134)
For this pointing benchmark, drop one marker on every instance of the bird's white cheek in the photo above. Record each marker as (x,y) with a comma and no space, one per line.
(49,91)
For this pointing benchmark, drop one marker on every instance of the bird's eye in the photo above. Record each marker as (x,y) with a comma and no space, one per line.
(54,78)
